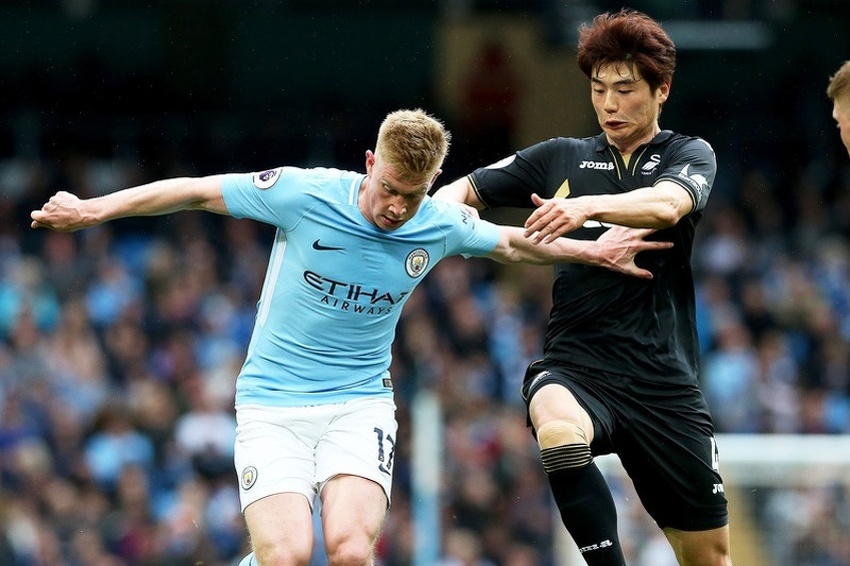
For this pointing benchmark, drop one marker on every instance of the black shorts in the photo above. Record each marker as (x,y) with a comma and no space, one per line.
(663,435)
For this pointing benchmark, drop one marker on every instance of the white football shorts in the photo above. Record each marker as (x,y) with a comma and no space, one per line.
(298,449)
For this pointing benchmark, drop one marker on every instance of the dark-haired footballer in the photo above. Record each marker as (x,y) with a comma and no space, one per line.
(620,366)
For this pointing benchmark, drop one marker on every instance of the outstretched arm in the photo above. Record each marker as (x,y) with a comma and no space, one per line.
(65,212)
(659,206)
(615,249)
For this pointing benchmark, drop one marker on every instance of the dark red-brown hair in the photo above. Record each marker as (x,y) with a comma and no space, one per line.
(627,37)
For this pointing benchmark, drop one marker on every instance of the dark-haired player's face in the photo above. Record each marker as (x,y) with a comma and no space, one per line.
(626,108)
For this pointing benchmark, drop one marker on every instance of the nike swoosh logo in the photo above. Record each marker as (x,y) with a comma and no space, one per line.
(321,248)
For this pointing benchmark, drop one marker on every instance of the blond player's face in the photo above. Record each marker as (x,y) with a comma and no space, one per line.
(626,108)
(841,114)
(386,201)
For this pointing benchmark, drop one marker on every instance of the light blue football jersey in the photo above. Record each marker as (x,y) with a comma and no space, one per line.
(335,283)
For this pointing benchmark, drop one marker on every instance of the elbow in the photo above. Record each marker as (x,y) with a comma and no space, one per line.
(510,255)
(669,215)
(666,221)
(511,258)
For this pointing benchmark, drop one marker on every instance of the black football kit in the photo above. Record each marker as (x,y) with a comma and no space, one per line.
(627,348)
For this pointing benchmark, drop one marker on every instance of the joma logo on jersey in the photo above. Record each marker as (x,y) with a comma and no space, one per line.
(601,165)
(352,292)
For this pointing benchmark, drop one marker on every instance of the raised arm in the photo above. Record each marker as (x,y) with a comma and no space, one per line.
(65,212)
(615,249)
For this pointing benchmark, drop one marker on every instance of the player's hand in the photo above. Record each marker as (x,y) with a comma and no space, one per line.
(553,218)
(62,213)
(620,246)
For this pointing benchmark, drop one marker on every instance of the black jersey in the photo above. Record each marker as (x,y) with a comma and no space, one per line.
(601,319)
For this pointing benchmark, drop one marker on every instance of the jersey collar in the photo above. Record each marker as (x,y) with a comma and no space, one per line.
(602,141)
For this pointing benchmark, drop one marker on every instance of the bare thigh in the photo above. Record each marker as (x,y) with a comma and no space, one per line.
(353,511)
(554,402)
(281,529)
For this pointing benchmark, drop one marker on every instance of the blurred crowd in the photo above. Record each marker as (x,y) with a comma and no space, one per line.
(119,346)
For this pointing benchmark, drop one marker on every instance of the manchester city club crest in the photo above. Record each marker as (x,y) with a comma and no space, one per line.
(248,477)
(416,262)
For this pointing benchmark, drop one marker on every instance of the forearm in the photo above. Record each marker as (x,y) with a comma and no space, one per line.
(65,212)
(157,198)
(649,207)
(615,249)
(514,247)
(562,250)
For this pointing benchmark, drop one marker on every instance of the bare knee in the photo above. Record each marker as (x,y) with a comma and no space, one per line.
(350,552)
(280,554)
(560,433)
(281,530)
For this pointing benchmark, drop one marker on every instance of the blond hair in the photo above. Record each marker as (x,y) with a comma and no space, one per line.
(414,143)
(839,83)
